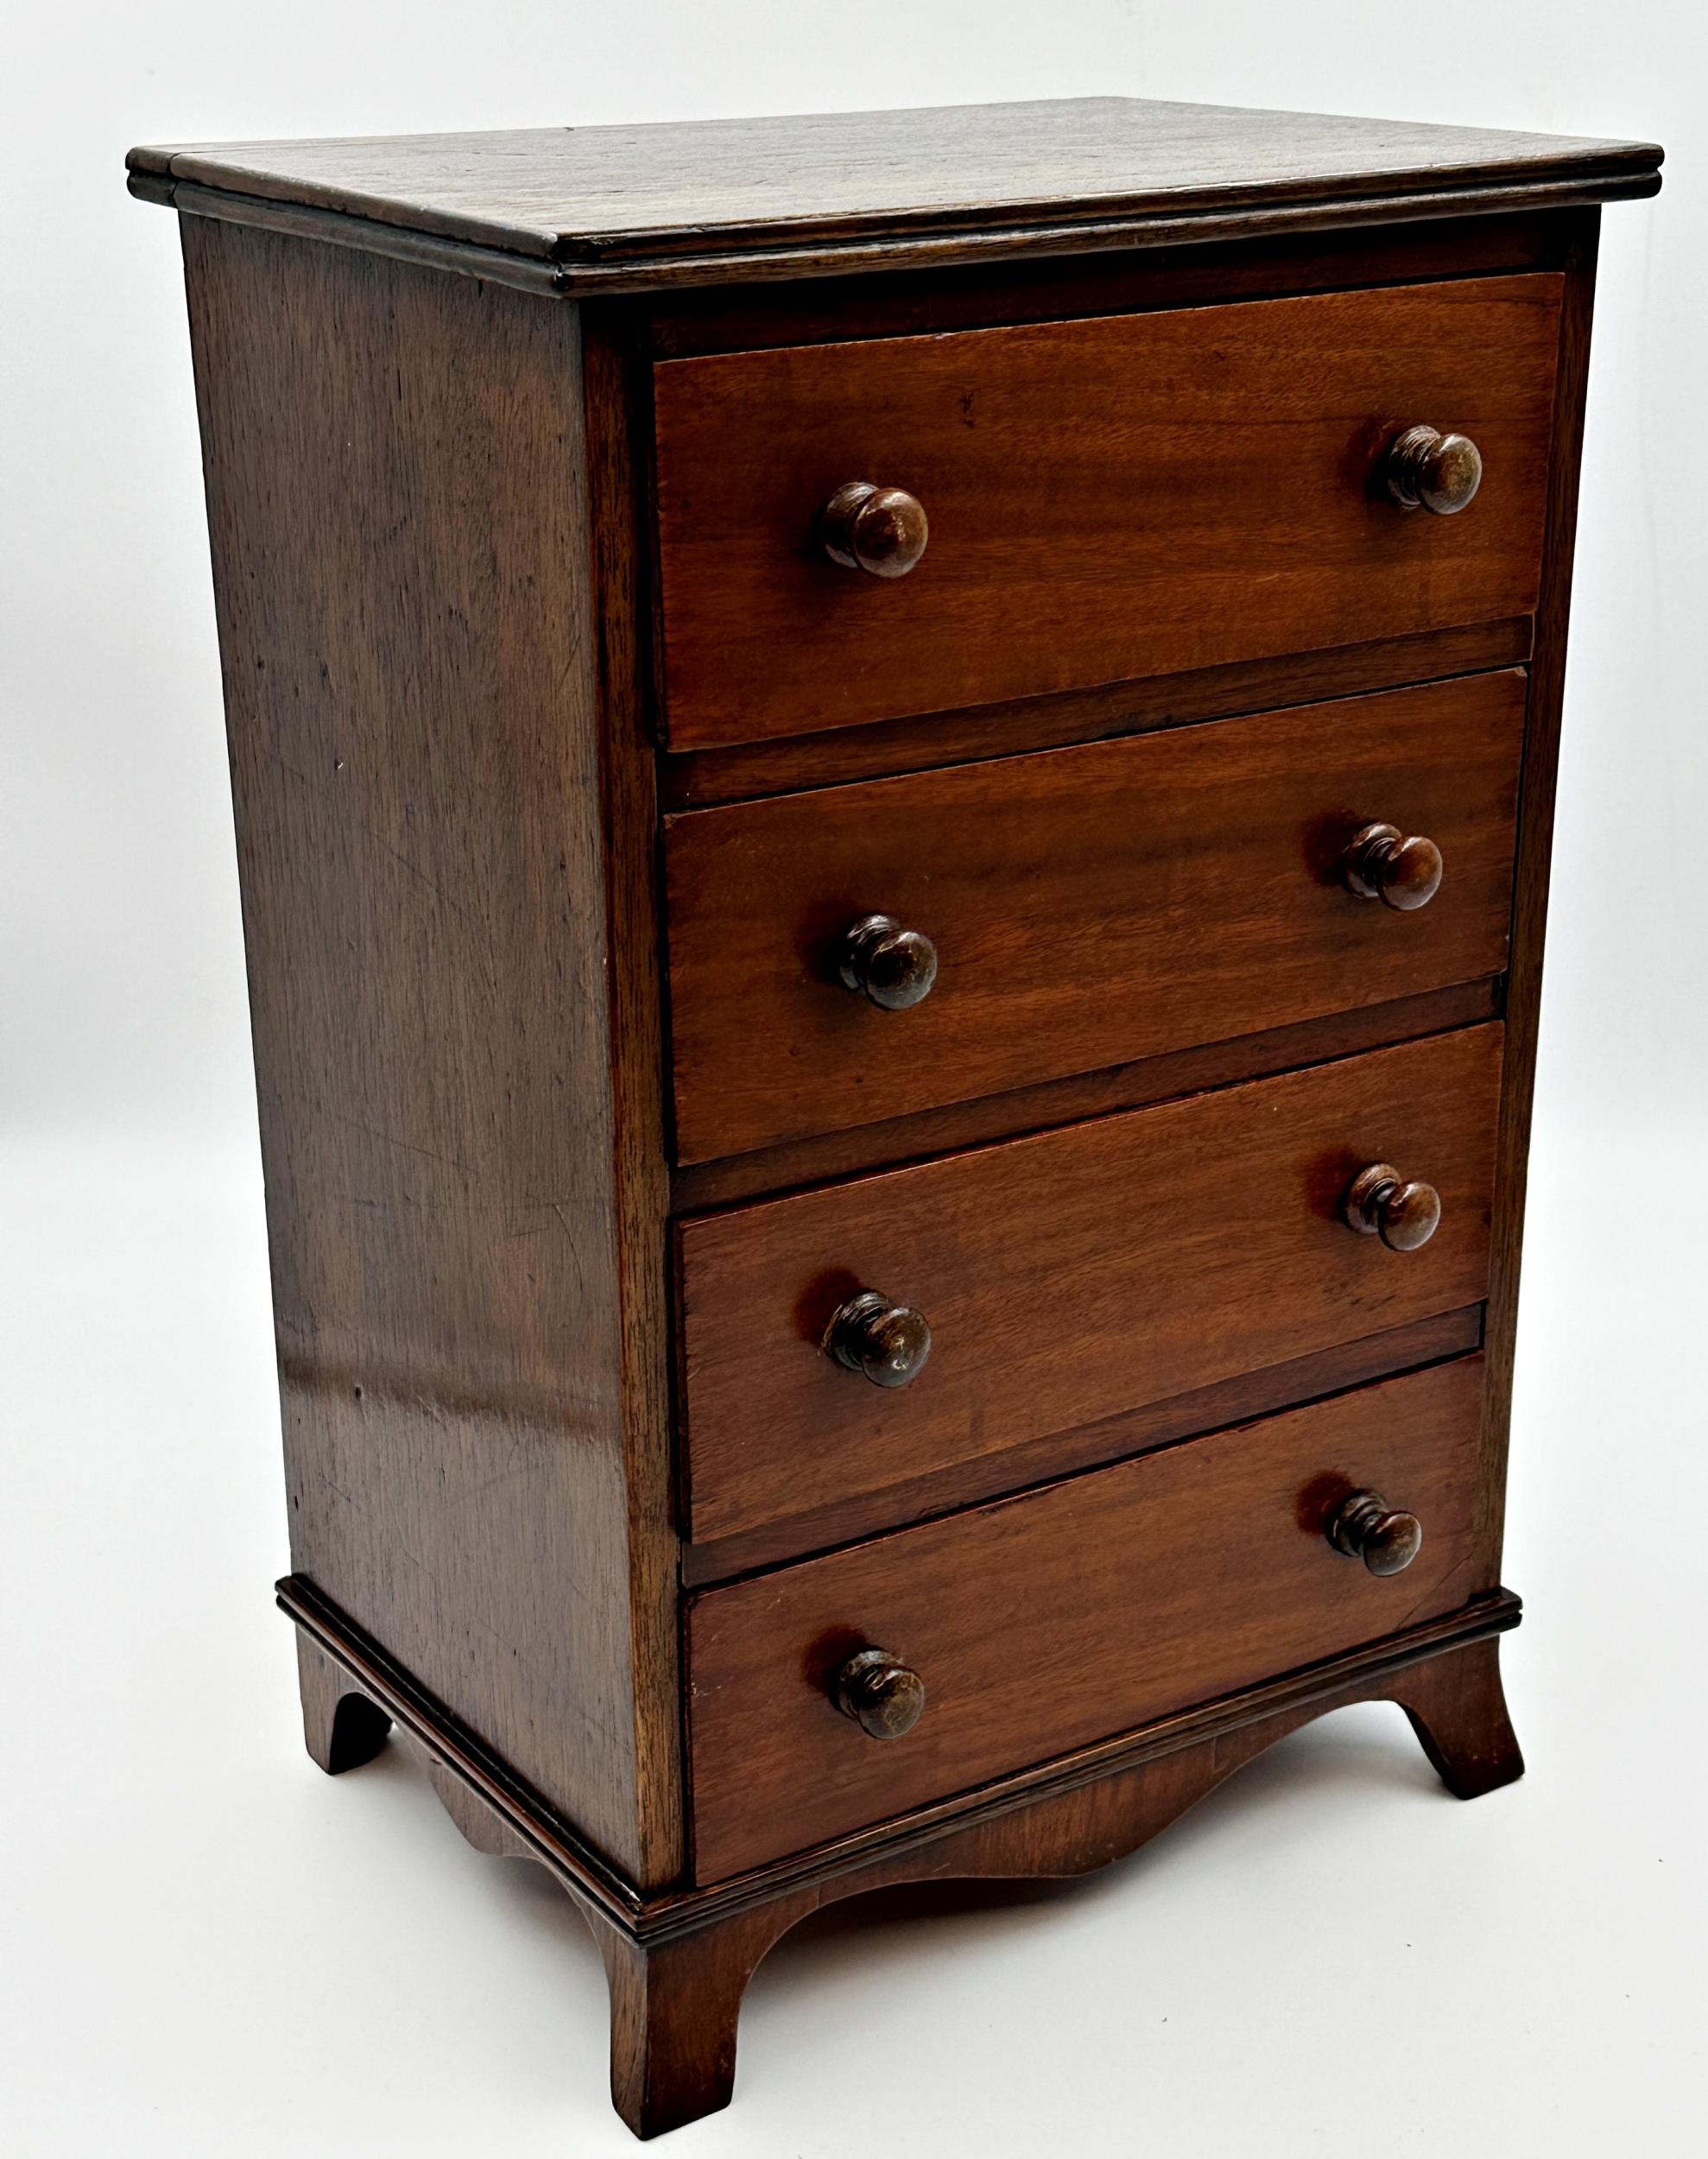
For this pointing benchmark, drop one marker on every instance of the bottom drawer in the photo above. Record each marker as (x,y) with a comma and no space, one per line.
(1042,1622)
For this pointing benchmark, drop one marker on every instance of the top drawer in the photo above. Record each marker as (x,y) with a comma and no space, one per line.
(1109,499)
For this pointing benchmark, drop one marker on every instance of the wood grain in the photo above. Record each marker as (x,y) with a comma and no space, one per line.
(1057,1102)
(619,481)
(1032,1793)
(525,637)
(1535,852)
(856,187)
(1074,1276)
(1112,498)
(1046,1621)
(397,493)
(1066,287)
(679,1964)
(1236,1401)
(341,1728)
(696,779)
(1088,908)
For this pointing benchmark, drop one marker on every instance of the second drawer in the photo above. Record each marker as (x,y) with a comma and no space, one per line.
(1071,1276)
(1087,907)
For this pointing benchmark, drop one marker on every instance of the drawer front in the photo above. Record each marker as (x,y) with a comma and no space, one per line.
(1087,907)
(1106,500)
(1047,1622)
(1070,1276)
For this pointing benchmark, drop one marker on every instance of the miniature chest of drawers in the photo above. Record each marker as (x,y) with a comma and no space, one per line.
(893,779)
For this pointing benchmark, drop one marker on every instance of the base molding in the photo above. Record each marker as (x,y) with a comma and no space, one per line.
(678,1961)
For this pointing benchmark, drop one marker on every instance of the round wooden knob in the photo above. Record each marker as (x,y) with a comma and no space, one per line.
(880,1694)
(1381,1203)
(882,530)
(885,1343)
(1382,864)
(1424,468)
(1365,1528)
(891,966)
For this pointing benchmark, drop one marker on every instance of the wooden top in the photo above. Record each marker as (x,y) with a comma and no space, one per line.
(626,208)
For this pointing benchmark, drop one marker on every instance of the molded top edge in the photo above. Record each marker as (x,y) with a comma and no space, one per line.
(775,189)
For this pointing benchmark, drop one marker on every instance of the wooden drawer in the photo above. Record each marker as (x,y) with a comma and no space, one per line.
(1044,1623)
(1071,1276)
(1107,499)
(1087,906)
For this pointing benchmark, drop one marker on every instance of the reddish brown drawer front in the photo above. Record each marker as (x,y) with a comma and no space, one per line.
(1069,1276)
(1047,1622)
(1106,500)
(1087,907)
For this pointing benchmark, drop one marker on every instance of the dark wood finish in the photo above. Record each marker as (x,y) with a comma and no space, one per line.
(1424,468)
(1070,1276)
(1034,287)
(1116,497)
(880,1692)
(678,1970)
(1530,896)
(341,1729)
(486,1831)
(1364,1527)
(1192,408)
(331,228)
(881,530)
(1049,1620)
(1025,282)
(616,208)
(1383,864)
(1018,247)
(1086,1446)
(697,779)
(887,1344)
(1084,909)
(656,1915)
(1021,1110)
(436,957)
(618,484)
(1456,1706)
(673,2009)
(1404,1212)
(516,1813)
(890,966)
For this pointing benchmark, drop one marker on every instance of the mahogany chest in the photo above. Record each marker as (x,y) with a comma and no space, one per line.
(893,779)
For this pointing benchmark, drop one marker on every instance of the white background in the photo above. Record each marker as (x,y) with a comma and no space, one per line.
(210,1949)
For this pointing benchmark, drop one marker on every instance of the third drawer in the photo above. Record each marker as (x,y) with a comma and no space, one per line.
(1068,1277)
